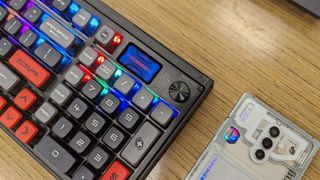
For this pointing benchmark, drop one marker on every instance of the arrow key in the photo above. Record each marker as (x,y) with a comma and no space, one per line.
(3,103)
(10,117)
(26,132)
(25,99)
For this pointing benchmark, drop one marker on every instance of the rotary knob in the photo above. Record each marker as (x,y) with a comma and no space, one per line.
(179,91)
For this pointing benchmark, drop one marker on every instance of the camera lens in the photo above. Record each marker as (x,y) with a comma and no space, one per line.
(260,154)
(267,143)
(274,131)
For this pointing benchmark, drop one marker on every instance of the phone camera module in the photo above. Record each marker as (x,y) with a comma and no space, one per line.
(274,131)
(260,154)
(267,143)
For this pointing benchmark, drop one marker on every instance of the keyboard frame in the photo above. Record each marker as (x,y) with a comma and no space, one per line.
(142,171)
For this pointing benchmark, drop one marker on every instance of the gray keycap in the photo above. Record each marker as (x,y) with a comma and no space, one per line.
(3,14)
(80,142)
(28,38)
(8,79)
(88,56)
(5,47)
(61,94)
(82,18)
(56,154)
(143,99)
(128,118)
(139,145)
(61,5)
(74,76)
(124,84)
(33,14)
(77,108)
(104,35)
(17,4)
(106,70)
(110,104)
(114,138)
(162,114)
(98,157)
(57,33)
(92,89)
(62,128)
(13,26)
(46,112)
(83,174)
(48,54)
(95,123)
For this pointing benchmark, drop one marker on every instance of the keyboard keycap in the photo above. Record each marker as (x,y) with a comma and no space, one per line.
(3,14)
(61,94)
(17,4)
(28,38)
(135,151)
(25,99)
(80,142)
(61,5)
(3,103)
(82,18)
(26,132)
(95,123)
(98,158)
(29,68)
(143,99)
(114,138)
(88,56)
(46,112)
(110,104)
(13,26)
(106,70)
(56,154)
(74,76)
(83,174)
(162,114)
(124,84)
(33,14)
(104,35)
(62,128)
(48,54)
(10,117)
(5,47)
(129,118)
(116,171)
(57,33)
(8,79)
(92,89)
(77,108)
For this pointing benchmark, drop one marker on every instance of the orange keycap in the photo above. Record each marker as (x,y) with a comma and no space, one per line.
(3,103)
(116,171)
(10,117)
(25,99)
(26,132)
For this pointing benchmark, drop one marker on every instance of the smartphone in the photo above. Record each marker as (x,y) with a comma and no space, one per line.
(255,142)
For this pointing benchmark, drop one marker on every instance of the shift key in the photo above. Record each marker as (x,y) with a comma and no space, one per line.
(29,68)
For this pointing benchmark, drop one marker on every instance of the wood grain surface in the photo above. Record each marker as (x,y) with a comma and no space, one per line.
(270,48)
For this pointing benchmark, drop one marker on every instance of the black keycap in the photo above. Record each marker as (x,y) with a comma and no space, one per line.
(129,119)
(124,84)
(77,108)
(13,26)
(95,123)
(48,54)
(82,18)
(61,5)
(28,38)
(80,142)
(56,154)
(114,138)
(98,158)
(62,128)
(110,104)
(143,99)
(92,89)
(5,47)
(3,14)
(83,174)
(17,4)
(33,14)
(162,114)
(88,56)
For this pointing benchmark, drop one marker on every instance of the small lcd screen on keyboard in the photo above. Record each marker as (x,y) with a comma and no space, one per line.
(140,63)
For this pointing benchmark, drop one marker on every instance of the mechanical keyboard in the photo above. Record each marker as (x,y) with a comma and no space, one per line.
(87,93)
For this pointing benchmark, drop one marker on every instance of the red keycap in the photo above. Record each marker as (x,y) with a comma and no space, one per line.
(29,68)
(25,99)
(26,132)
(3,103)
(116,171)
(10,117)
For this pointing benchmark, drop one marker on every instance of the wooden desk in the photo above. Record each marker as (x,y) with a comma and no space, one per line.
(267,47)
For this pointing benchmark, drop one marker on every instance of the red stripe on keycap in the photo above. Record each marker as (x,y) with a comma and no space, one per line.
(3,103)
(10,117)
(29,68)
(25,99)
(116,171)
(26,132)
